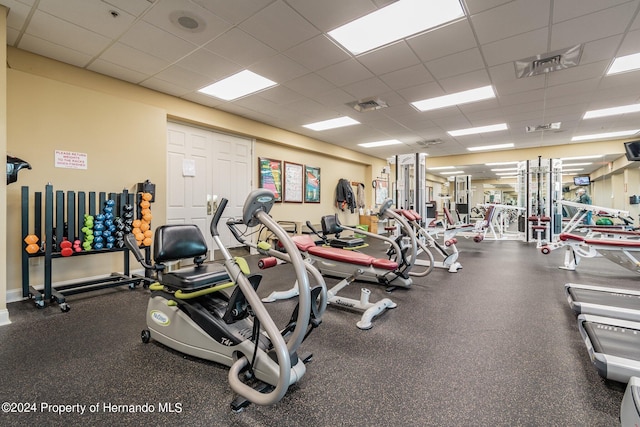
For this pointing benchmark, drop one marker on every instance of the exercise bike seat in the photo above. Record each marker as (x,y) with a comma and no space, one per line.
(176,242)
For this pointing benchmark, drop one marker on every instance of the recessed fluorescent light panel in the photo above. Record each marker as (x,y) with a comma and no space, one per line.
(465,97)
(625,63)
(394,22)
(606,135)
(439,168)
(490,147)
(380,143)
(237,85)
(332,123)
(503,169)
(507,173)
(452,173)
(481,129)
(613,111)
(597,156)
(501,163)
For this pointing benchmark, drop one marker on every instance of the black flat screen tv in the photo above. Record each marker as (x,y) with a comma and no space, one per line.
(632,150)
(581,180)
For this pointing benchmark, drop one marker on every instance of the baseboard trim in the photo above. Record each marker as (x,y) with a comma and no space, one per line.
(4,317)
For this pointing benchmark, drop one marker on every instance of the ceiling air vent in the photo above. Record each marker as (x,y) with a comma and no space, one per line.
(368,104)
(548,62)
(542,128)
(429,142)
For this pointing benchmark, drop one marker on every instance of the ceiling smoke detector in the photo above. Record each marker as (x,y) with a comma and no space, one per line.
(368,104)
(542,128)
(187,21)
(548,62)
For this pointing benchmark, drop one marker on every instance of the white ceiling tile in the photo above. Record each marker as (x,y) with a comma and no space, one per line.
(310,85)
(568,9)
(333,97)
(443,41)
(62,33)
(292,29)
(183,77)
(165,87)
(133,59)
(18,14)
(517,47)
(390,58)
(421,91)
(366,88)
(465,81)
(240,47)
(510,84)
(280,95)
(458,63)
(209,64)
(55,51)
(592,27)
(599,50)
(117,71)
(200,98)
(154,41)
(165,15)
(516,17)
(477,6)
(330,14)
(134,7)
(630,44)
(317,52)
(91,15)
(407,77)
(234,11)
(345,72)
(279,68)
(12,36)
(591,70)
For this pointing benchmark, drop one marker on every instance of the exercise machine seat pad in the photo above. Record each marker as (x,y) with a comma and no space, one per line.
(174,242)
(621,243)
(568,236)
(616,231)
(195,277)
(306,244)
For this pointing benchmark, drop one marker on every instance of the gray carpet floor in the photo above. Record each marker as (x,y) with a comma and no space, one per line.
(495,344)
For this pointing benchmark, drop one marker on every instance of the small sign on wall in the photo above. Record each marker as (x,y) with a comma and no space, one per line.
(70,160)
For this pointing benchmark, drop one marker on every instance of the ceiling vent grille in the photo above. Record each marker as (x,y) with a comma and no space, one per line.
(548,62)
(429,142)
(542,128)
(368,104)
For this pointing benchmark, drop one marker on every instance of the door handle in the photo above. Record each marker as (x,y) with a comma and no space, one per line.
(212,204)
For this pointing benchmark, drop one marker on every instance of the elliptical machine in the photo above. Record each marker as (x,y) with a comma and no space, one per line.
(212,310)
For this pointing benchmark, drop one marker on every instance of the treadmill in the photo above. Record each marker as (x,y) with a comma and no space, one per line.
(613,346)
(630,407)
(604,301)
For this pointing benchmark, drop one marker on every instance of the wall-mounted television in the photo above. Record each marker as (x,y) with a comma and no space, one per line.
(581,180)
(632,150)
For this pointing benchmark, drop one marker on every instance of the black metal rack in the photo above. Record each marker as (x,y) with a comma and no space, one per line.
(68,223)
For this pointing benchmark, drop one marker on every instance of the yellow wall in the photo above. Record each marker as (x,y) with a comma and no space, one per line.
(4,317)
(122,129)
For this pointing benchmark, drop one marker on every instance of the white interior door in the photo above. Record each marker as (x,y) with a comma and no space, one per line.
(203,166)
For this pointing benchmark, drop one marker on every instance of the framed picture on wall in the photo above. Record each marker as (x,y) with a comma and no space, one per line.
(292,187)
(270,176)
(311,184)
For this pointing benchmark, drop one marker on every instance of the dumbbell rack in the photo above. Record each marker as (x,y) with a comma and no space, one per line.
(55,228)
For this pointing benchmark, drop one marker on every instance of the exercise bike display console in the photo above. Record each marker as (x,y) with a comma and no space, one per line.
(212,310)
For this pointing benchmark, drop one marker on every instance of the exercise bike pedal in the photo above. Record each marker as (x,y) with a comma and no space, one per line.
(306,358)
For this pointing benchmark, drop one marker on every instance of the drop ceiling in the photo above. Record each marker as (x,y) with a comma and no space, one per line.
(180,46)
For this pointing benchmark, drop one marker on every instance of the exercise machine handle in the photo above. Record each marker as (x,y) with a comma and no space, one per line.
(217,216)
